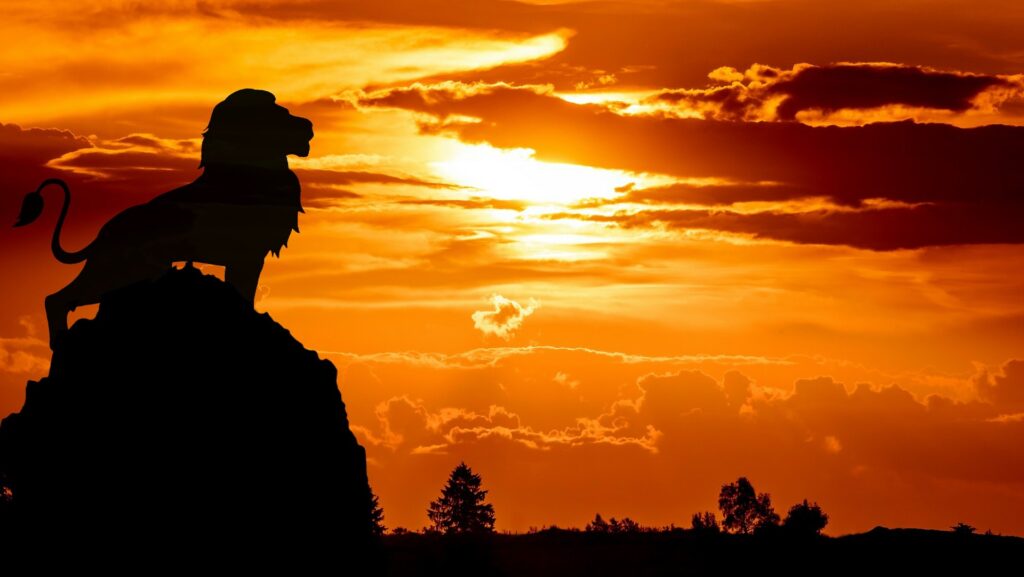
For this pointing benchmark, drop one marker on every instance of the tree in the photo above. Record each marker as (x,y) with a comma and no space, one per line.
(377,527)
(704,523)
(963,529)
(805,519)
(598,525)
(627,525)
(743,510)
(461,507)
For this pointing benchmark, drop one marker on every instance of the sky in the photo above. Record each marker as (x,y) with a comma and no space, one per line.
(612,255)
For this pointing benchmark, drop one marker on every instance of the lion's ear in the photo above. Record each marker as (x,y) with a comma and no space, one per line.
(31,208)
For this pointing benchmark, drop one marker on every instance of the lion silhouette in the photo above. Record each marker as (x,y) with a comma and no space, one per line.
(244,205)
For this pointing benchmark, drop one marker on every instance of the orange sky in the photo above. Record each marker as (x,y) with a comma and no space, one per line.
(612,255)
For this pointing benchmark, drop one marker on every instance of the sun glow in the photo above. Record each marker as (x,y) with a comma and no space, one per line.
(516,175)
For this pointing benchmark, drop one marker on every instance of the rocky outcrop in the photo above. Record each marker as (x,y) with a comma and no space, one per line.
(183,424)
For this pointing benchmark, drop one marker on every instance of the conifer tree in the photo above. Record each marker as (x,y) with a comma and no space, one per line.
(461,508)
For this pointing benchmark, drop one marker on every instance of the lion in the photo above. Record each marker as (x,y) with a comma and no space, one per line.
(244,205)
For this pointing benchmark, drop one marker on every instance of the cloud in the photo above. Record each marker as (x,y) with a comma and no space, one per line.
(714,194)
(25,355)
(36,146)
(800,427)
(671,44)
(326,188)
(138,166)
(897,161)
(404,423)
(506,318)
(661,412)
(1004,389)
(869,228)
(766,93)
(471,203)
(25,152)
(493,356)
(910,185)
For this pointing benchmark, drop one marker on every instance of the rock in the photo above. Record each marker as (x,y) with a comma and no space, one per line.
(180,422)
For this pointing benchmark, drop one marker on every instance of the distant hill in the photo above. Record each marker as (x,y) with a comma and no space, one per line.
(180,425)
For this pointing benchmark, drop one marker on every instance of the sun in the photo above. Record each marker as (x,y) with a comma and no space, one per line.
(514,174)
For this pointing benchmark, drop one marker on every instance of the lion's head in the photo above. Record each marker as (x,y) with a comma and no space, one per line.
(250,129)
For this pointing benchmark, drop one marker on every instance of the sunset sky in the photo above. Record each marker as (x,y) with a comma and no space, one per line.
(610,254)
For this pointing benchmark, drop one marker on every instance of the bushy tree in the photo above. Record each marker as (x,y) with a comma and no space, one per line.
(805,519)
(613,525)
(963,529)
(627,525)
(743,510)
(704,523)
(461,508)
(377,527)
(598,525)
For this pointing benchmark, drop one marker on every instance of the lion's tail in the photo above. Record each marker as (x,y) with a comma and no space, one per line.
(32,207)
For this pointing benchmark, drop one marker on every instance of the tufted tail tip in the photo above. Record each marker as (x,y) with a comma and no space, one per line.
(31,208)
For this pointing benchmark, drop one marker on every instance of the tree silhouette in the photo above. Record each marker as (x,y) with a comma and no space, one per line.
(377,527)
(461,507)
(598,525)
(627,525)
(805,519)
(743,510)
(963,529)
(704,522)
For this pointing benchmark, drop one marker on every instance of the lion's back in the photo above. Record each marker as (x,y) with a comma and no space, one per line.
(136,227)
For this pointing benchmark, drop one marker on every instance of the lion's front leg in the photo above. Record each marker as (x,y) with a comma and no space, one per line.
(56,318)
(245,277)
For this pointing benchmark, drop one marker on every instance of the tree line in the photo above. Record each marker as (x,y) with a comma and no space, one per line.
(462,508)
(744,511)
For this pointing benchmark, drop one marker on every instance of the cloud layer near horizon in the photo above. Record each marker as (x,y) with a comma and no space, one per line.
(683,431)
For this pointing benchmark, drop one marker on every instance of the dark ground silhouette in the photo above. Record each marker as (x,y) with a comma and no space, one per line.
(566,553)
(243,206)
(180,425)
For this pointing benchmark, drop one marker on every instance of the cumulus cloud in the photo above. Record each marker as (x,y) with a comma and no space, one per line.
(551,424)
(404,423)
(1005,388)
(37,145)
(506,318)
(662,412)
(26,354)
(23,356)
(25,152)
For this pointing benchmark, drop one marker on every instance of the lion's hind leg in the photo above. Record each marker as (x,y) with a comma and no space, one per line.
(94,280)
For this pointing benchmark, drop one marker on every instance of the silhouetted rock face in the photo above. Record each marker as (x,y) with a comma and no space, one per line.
(180,416)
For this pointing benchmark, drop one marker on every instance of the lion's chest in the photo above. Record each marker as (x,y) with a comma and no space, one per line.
(233,228)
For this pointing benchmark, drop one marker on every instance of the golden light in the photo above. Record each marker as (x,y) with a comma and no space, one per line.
(516,175)
(298,60)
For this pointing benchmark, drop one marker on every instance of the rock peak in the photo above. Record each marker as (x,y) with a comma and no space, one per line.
(179,412)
